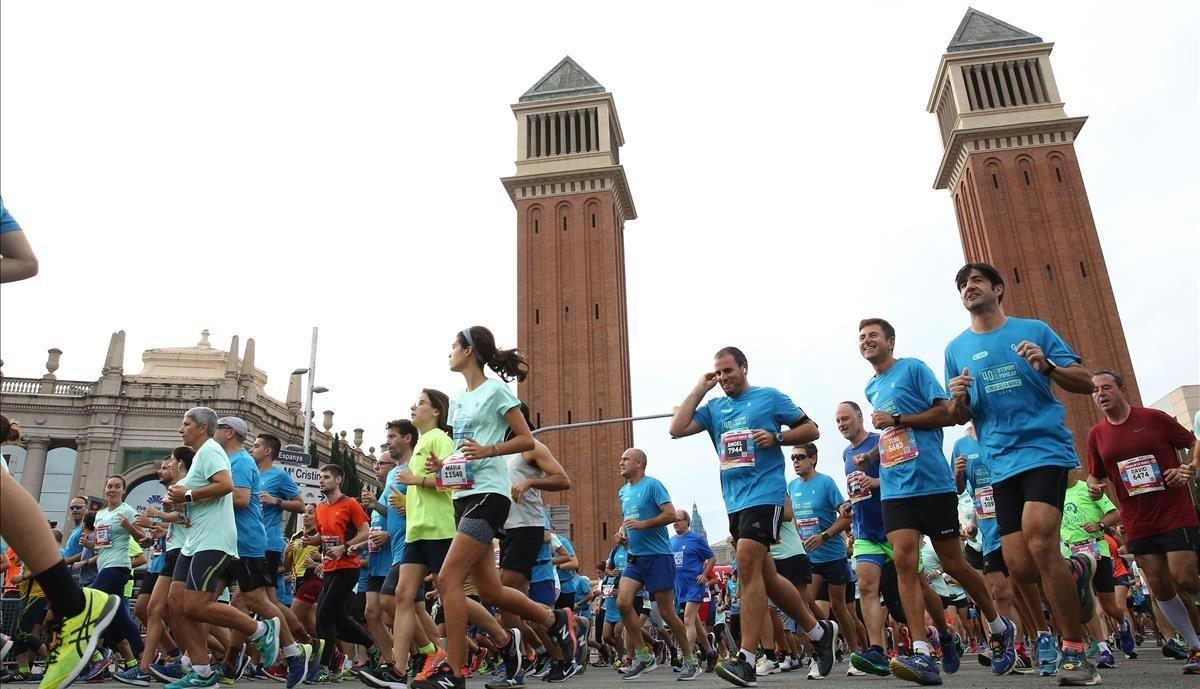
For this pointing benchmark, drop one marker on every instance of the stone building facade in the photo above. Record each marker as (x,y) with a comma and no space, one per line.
(1009,164)
(76,433)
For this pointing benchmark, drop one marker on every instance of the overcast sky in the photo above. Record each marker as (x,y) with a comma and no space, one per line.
(260,168)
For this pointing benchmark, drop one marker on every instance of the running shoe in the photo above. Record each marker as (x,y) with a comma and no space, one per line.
(640,667)
(950,653)
(1023,664)
(1084,569)
(691,670)
(1075,670)
(297,667)
(1047,655)
(134,676)
(278,673)
(385,677)
(441,678)
(1192,666)
(192,680)
(1175,650)
(918,668)
(765,666)
(314,659)
(430,662)
(321,676)
(1126,641)
(872,661)
(852,671)
(738,671)
(167,672)
(512,655)
(1004,655)
(563,632)
(984,659)
(268,643)
(823,650)
(73,639)
(1105,660)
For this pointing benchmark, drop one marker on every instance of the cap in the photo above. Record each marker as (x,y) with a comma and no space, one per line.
(233,422)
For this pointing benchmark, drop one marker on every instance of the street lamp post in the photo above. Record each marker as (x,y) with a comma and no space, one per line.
(312,373)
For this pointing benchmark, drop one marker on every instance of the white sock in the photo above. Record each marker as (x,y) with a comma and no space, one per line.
(922,647)
(1175,610)
(996,626)
(262,629)
(1104,646)
(817,632)
(186,662)
(747,656)
(292,649)
(202,670)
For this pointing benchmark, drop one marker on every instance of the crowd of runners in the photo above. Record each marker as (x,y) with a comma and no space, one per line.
(1012,548)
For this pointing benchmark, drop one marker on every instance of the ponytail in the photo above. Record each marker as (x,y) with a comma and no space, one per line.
(509,364)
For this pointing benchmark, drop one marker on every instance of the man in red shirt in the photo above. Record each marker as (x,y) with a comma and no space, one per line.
(1137,450)
(341,523)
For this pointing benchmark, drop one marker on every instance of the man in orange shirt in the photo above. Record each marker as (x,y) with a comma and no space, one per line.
(341,523)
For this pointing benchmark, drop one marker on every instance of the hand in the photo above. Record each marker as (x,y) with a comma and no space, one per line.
(268,499)
(871,482)
(151,512)
(845,510)
(763,438)
(960,385)
(960,465)
(290,577)
(336,551)
(77,565)
(1091,527)
(378,538)
(813,542)
(1095,490)
(397,501)
(433,464)
(367,498)
(633,524)
(473,450)
(405,478)
(144,520)
(519,490)
(881,420)
(707,382)
(123,521)
(176,493)
(702,580)
(861,461)
(319,569)
(1180,476)
(1034,355)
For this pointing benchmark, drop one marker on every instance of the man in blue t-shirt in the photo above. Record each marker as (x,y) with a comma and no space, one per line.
(1000,372)
(919,498)
(646,510)
(251,572)
(694,560)
(747,429)
(816,504)
(278,493)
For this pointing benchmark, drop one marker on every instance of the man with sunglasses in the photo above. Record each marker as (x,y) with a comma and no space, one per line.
(747,429)
(71,547)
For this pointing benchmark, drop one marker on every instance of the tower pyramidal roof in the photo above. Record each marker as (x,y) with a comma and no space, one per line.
(567,79)
(978,31)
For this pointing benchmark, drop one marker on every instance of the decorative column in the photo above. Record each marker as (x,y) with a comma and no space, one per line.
(35,465)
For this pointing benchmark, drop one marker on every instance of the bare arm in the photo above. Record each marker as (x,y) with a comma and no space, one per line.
(555,478)
(564,560)
(683,423)
(1074,378)
(666,516)
(241,497)
(17,260)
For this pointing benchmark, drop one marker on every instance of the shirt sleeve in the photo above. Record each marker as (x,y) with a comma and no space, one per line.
(660,494)
(358,516)
(705,551)
(1095,462)
(286,488)
(242,478)
(834,493)
(7,223)
(703,417)
(502,399)
(1105,504)
(1179,437)
(786,411)
(1056,349)
(926,384)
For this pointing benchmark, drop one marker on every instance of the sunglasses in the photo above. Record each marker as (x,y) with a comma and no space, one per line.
(797,458)
(75,507)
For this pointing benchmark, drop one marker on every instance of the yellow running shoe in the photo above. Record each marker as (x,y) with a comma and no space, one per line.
(73,640)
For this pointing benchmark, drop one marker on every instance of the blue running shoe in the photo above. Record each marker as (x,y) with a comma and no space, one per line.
(167,673)
(950,659)
(1105,660)
(297,666)
(191,680)
(134,676)
(1047,655)
(1128,643)
(918,668)
(872,661)
(268,643)
(1003,652)
(314,660)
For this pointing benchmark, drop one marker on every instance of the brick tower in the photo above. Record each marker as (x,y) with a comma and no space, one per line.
(572,203)
(1010,166)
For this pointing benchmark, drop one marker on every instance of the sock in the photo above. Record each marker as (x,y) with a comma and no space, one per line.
(1175,610)
(747,656)
(922,647)
(1104,647)
(291,650)
(643,653)
(1019,647)
(689,659)
(996,626)
(427,649)
(1078,646)
(23,669)
(202,670)
(262,629)
(186,662)
(62,593)
(817,632)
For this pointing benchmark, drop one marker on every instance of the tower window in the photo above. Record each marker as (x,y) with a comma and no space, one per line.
(1058,174)
(597,307)
(604,531)
(1026,173)
(995,182)
(1049,272)
(568,416)
(1082,269)
(538,421)
(1017,275)
(593,219)
(564,224)
(537,316)
(600,413)
(535,226)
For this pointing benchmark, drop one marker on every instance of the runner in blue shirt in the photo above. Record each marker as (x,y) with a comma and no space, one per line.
(694,560)
(618,558)
(919,497)
(1000,373)
(251,571)
(646,509)
(746,427)
(816,504)
(378,551)
(278,493)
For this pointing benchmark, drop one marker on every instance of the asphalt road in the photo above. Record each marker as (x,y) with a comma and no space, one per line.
(1150,671)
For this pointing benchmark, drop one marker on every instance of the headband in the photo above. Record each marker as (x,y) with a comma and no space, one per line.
(471,343)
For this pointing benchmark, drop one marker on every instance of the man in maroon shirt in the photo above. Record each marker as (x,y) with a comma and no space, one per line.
(1137,450)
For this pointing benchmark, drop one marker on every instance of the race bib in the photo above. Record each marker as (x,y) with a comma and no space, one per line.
(607,590)
(737,450)
(985,503)
(808,527)
(856,486)
(456,473)
(897,446)
(678,558)
(1090,547)
(1141,475)
(371,545)
(103,539)
(330,542)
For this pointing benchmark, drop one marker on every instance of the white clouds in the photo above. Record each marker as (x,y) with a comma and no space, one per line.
(339,165)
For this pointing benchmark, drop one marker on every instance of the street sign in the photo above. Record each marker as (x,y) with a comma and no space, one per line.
(297,458)
(308,479)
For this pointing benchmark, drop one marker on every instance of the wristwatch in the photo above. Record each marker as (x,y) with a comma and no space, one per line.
(895,419)
(778,438)
(1050,366)
(187,496)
